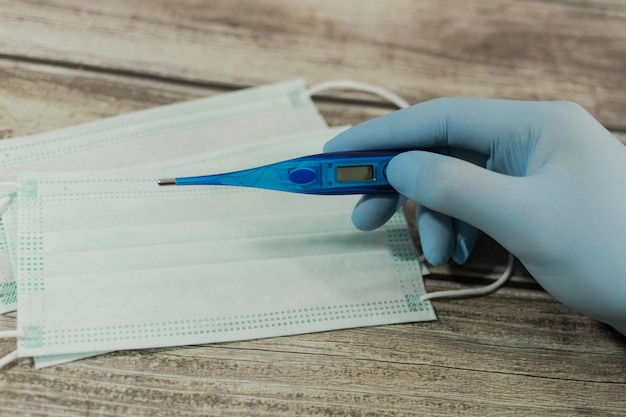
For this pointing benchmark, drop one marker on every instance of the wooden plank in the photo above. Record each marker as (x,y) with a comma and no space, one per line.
(490,356)
(36,98)
(39,98)
(531,49)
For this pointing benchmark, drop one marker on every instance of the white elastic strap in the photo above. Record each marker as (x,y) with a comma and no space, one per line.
(474,292)
(7,334)
(13,184)
(355,85)
(7,359)
(401,103)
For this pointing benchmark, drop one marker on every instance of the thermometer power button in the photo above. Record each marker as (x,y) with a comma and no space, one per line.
(302,176)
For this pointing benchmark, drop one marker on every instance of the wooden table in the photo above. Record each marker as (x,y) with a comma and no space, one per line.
(517,352)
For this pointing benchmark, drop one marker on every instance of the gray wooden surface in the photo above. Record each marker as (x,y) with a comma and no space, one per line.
(517,352)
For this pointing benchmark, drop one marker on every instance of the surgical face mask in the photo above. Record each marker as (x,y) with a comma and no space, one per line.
(150,136)
(109,260)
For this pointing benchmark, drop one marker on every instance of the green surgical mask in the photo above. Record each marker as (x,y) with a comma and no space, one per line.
(110,261)
(149,136)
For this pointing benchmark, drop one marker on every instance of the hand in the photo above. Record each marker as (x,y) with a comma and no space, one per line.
(544,179)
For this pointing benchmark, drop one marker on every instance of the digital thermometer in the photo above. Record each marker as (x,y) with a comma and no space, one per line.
(359,172)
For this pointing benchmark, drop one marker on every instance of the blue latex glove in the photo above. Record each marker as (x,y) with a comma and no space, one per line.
(544,179)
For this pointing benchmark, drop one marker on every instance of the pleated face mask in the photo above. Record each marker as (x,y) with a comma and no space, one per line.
(149,136)
(110,261)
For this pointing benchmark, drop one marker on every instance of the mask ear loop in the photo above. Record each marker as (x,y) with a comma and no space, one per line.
(7,359)
(475,292)
(401,103)
(358,86)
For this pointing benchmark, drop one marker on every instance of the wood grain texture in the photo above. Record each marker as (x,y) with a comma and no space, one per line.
(515,353)
(566,50)
(504,355)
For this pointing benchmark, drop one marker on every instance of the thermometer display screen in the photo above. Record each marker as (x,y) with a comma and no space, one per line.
(355,173)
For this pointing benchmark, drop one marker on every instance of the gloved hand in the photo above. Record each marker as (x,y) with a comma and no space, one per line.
(544,179)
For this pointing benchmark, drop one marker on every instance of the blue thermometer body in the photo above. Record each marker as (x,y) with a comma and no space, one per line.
(337,173)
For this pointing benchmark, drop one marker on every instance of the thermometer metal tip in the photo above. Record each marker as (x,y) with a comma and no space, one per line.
(167,181)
